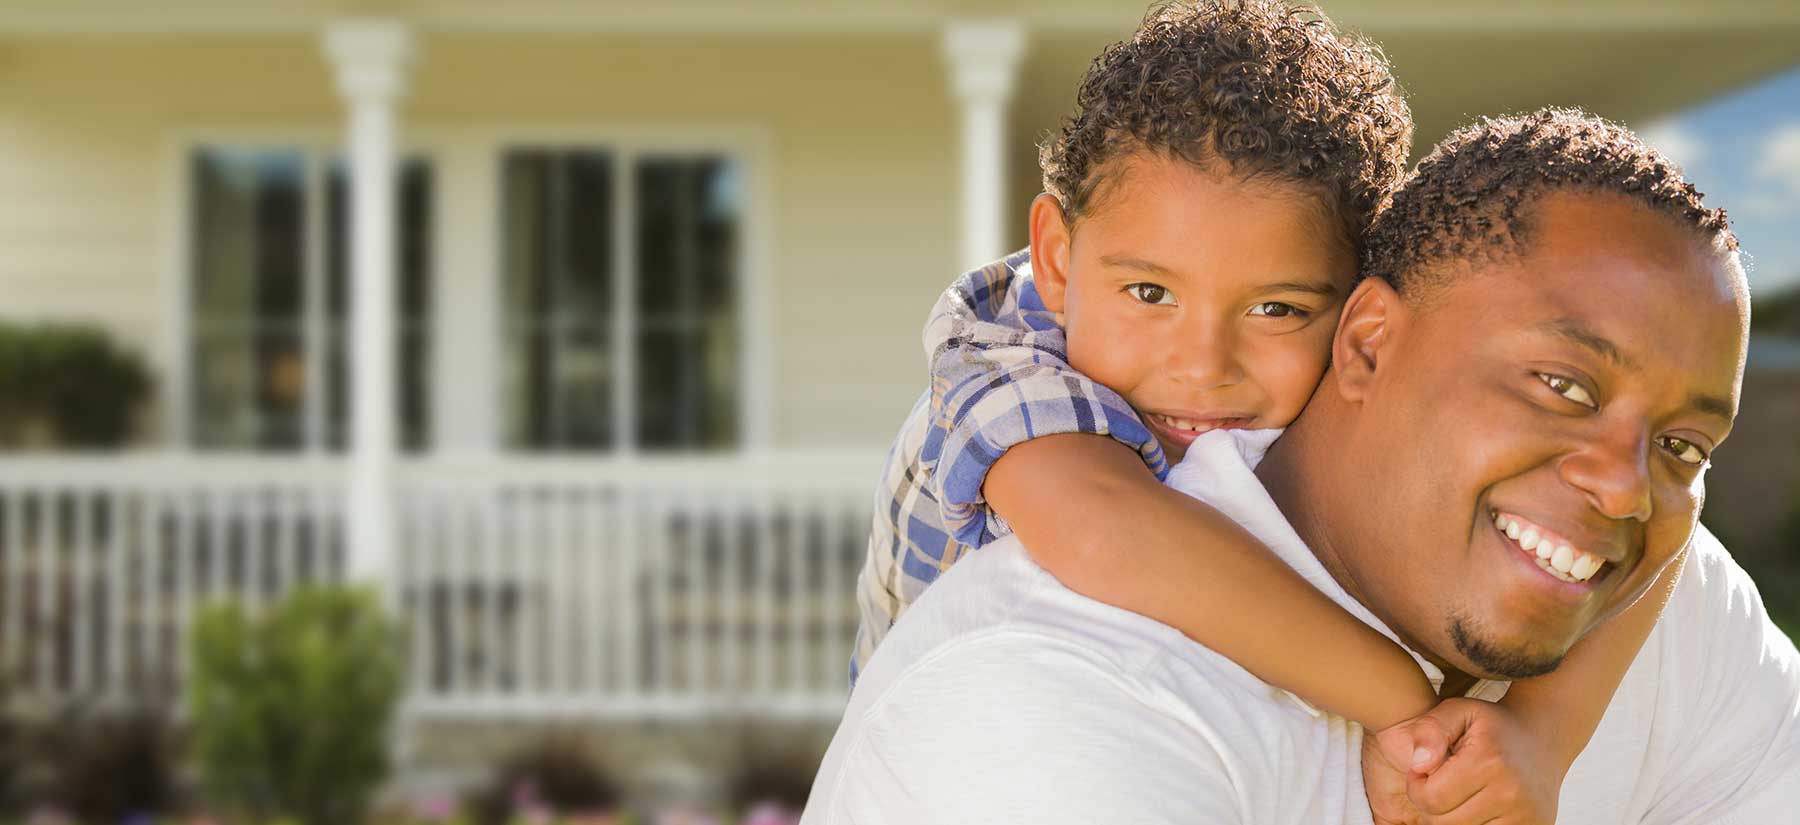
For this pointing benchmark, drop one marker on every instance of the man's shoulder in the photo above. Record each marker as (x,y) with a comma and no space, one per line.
(1716,601)
(1023,685)
(999,633)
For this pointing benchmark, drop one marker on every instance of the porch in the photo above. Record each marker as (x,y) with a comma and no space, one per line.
(534,588)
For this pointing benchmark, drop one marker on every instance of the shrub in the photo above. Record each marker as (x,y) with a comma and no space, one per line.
(73,378)
(291,709)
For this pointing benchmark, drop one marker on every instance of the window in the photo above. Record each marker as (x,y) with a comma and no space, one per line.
(621,283)
(270,298)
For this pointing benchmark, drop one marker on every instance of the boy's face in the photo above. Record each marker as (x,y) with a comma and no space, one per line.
(1207,301)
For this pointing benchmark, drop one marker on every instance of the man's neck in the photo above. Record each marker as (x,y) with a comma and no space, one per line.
(1299,473)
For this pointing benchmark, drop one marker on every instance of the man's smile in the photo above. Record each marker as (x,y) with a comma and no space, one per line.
(1555,554)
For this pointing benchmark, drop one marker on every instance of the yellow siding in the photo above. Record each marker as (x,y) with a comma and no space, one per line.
(861,165)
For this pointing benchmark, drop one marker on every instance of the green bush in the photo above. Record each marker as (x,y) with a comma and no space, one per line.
(290,709)
(73,379)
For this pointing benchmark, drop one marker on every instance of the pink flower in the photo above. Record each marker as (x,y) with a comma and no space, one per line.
(770,813)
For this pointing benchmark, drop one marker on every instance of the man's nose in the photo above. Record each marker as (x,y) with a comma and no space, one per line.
(1205,355)
(1613,469)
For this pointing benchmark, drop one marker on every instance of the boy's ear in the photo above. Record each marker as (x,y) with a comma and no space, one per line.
(1371,317)
(1050,239)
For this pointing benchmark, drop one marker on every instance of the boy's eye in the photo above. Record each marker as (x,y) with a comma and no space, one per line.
(1150,293)
(1685,451)
(1567,388)
(1277,309)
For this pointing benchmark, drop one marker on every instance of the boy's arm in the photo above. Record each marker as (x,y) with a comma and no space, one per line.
(1564,708)
(1090,512)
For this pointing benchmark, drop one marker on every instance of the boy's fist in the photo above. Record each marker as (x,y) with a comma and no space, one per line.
(1463,761)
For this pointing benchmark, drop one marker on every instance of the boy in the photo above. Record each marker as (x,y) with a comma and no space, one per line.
(1200,228)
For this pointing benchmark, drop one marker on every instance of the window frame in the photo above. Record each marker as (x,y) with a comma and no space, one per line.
(318,146)
(444,146)
(747,149)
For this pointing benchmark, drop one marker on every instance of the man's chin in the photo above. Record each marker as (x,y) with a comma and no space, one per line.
(1489,659)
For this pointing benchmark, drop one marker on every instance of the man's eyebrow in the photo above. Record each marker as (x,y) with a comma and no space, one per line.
(1712,405)
(1324,289)
(1575,332)
(1578,333)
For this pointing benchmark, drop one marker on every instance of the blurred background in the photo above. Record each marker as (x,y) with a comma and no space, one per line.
(619,305)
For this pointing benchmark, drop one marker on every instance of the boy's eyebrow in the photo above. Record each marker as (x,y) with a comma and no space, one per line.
(1129,262)
(1322,288)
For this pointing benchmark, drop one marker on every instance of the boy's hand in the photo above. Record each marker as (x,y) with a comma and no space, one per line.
(1465,761)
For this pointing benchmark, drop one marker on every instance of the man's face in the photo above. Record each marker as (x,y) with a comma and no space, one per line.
(1570,395)
(1207,301)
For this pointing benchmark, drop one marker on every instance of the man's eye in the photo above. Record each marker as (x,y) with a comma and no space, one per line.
(1685,451)
(1150,293)
(1277,309)
(1567,388)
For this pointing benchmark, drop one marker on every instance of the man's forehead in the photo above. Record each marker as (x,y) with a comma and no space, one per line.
(1609,276)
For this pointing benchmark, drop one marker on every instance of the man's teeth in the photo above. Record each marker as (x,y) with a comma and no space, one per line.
(1562,560)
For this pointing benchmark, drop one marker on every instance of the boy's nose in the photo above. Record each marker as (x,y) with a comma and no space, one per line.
(1205,356)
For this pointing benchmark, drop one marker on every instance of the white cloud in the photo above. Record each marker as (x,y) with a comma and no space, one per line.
(1678,143)
(1779,161)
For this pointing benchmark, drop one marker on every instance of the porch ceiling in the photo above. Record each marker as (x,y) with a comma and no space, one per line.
(1627,59)
(838,15)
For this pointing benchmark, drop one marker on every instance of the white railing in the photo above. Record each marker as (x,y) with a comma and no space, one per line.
(532,587)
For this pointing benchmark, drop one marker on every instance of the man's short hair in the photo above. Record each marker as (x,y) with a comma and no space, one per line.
(1472,198)
(1272,91)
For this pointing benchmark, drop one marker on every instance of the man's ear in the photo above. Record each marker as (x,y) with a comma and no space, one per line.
(1369,322)
(1050,238)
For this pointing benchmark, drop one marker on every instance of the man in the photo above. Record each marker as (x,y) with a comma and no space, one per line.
(1550,345)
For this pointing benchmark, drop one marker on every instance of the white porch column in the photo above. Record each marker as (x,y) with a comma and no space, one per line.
(984,69)
(371,59)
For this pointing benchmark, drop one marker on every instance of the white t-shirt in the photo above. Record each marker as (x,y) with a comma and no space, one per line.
(1003,696)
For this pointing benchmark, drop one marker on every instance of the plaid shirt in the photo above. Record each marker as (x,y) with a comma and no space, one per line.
(1000,375)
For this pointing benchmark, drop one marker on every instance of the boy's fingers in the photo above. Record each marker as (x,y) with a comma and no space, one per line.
(1385,786)
(1430,744)
(1465,770)
(1464,775)
(1483,808)
(1422,743)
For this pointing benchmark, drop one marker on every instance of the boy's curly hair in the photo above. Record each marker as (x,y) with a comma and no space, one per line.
(1272,91)
(1471,199)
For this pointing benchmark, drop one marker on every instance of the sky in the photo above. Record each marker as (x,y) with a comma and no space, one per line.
(1742,149)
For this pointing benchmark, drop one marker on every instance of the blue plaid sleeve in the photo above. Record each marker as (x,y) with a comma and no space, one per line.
(1000,375)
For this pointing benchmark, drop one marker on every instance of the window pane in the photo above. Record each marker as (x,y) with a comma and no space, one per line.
(688,213)
(248,234)
(585,381)
(688,216)
(588,232)
(248,389)
(247,246)
(687,388)
(557,284)
(529,391)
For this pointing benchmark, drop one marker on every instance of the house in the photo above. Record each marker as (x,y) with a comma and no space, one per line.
(653,277)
